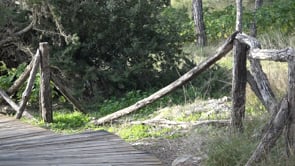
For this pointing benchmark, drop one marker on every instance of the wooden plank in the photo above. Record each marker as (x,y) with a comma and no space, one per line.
(22,144)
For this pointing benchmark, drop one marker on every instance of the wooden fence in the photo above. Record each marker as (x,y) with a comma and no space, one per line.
(283,112)
(41,59)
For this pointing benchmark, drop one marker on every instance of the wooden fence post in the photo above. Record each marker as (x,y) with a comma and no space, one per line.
(239,76)
(45,91)
(290,134)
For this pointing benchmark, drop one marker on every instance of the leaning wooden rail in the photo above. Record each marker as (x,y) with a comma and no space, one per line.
(27,92)
(221,52)
(14,105)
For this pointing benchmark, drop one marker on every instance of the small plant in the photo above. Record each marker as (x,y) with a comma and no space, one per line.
(67,122)
(136,132)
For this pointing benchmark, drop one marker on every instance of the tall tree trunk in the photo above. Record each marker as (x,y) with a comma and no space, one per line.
(258,4)
(199,22)
(239,76)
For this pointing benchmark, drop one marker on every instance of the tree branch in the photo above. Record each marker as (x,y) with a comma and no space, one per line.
(164,122)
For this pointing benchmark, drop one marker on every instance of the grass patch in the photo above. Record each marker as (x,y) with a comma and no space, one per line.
(65,122)
(226,149)
(132,133)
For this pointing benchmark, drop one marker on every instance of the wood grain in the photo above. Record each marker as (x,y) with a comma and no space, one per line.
(23,144)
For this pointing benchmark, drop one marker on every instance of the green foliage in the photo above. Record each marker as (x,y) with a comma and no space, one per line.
(65,121)
(12,16)
(219,24)
(7,76)
(213,83)
(114,104)
(279,16)
(135,132)
(120,43)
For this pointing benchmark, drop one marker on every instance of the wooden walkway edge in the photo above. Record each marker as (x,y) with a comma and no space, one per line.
(23,144)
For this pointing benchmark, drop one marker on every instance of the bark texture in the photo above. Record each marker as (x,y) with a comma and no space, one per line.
(45,91)
(267,95)
(27,92)
(199,22)
(239,76)
(290,135)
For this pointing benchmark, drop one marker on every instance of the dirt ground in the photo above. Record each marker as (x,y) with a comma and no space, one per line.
(167,150)
(193,142)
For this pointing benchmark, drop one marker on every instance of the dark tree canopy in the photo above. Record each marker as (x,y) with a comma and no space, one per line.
(107,46)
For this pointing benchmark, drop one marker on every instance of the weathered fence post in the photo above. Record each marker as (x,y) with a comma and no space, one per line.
(239,76)
(45,91)
(290,135)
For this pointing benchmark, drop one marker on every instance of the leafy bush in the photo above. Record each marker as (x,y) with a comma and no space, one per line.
(121,46)
(278,16)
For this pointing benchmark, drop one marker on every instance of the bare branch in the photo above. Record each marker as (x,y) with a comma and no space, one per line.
(164,122)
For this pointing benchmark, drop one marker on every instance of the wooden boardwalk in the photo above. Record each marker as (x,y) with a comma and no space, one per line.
(23,144)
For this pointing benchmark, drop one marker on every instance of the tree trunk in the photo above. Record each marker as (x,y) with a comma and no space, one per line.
(258,4)
(222,51)
(199,23)
(45,91)
(239,76)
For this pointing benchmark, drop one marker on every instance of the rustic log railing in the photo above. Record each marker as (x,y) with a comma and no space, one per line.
(41,59)
(283,113)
